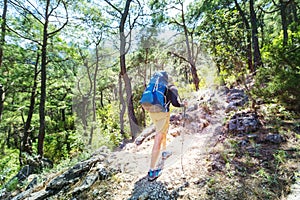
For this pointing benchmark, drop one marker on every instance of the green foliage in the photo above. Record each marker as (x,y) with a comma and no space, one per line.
(280,157)
(278,81)
(12,185)
(61,145)
(9,165)
(109,127)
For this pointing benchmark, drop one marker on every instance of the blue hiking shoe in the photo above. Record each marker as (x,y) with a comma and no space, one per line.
(154,174)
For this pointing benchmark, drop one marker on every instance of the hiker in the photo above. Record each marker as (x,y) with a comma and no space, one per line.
(161,120)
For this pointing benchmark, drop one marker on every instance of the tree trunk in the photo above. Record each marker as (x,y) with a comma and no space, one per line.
(255,43)
(3,29)
(122,105)
(1,101)
(42,128)
(134,129)
(2,42)
(94,94)
(284,23)
(189,52)
(26,143)
(248,35)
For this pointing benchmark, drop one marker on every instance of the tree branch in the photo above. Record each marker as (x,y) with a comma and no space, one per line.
(113,6)
(22,36)
(178,56)
(66,22)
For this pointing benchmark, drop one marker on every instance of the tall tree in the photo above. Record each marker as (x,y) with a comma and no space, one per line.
(2,42)
(42,12)
(125,42)
(26,144)
(255,43)
(2,36)
(181,24)
(47,34)
(248,35)
(188,34)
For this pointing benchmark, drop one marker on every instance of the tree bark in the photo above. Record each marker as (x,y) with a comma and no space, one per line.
(255,43)
(26,142)
(2,93)
(3,29)
(94,94)
(284,23)
(2,42)
(130,109)
(189,52)
(248,35)
(42,128)
(122,105)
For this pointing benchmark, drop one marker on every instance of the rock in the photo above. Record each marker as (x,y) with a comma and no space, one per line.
(243,143)
(32,183)
(143,189)
(235,98)
(4,194)
(146,132)
(176,119)
(71,175)
(103,173)
(175,131)
(274,138)
(243,122)
(41,195)
(192,108)
(252,136)
(102,152)
(23,195)
(130,147)
(24,172)
(87,183)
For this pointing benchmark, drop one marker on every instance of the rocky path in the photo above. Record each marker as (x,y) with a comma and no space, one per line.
(187,166)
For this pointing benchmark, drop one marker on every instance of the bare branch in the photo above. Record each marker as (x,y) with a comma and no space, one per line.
(114,7)
(178,56)
(66,22)
(22,36)
(19,6)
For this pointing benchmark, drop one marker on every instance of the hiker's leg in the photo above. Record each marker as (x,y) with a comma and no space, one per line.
(165,131)
(156,149)
(164,141)
(161,121)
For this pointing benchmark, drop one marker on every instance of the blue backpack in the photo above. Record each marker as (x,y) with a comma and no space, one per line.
(154,96)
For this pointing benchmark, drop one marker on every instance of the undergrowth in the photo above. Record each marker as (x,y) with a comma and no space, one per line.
(259,169)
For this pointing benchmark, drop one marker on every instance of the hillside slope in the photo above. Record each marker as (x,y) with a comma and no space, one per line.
(200,167)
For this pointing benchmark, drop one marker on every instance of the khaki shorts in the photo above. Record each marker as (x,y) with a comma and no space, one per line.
(161,121)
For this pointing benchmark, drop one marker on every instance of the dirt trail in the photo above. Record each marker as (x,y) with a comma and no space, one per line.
(190,150)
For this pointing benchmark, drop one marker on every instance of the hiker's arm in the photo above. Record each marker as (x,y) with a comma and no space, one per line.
(174,97)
